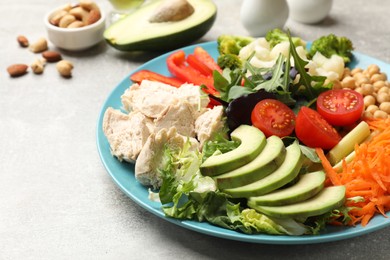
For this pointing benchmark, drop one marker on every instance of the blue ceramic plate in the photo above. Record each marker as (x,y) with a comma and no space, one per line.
(123,173)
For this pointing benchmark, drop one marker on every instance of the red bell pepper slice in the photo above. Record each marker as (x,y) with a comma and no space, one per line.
(206,59)
(176,63)
(195,63)
(138,76)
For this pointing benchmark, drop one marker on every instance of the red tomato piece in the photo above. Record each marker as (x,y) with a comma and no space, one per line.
(314,131)
(138,76)
(340,107)
(273,117)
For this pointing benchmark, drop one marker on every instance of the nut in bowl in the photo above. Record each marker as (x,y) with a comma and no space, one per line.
(75,27)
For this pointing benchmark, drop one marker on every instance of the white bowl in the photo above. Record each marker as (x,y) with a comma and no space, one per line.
(75,39)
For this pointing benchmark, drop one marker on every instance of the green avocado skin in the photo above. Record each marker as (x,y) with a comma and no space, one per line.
(326,200)
(286,173)
(270,158)
(169,41)
(308,185)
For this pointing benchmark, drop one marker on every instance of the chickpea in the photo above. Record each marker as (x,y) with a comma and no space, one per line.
(373,69)
(347,72)
(367,114)
(367,89)
(378,77)
(372,108)
(369,100)
(355,71)
(359,90)
(362,80)
(383,97)
(379,84)
(384,90)
(380,114)
(385,107)
(348,82)
(337,85)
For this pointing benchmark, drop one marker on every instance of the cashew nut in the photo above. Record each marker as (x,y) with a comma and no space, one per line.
(76,24)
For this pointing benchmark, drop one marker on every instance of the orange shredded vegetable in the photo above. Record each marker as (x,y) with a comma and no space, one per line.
(367,175)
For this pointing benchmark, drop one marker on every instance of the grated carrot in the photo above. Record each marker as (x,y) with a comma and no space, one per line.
(367,175)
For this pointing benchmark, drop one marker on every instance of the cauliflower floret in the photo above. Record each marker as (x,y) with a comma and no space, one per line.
(332,68)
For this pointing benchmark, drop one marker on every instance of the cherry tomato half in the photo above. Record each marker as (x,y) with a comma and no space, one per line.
(314,131)
(340,107)
(273,117)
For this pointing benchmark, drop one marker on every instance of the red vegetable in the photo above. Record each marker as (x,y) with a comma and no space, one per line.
(176,63)
(340,107)
(273,117)
(314,131)
(203,56)
(195,63)
(138,76)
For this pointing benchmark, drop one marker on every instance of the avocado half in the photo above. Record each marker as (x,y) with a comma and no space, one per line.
(136,33)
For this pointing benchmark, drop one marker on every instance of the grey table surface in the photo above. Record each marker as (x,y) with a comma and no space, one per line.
(57,200)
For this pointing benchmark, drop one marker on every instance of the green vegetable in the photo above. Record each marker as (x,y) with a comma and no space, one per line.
(229,47)
(231,44)
(347,144)
(308,86)
(229,60)
(136,32)
(276,36)
(332,44)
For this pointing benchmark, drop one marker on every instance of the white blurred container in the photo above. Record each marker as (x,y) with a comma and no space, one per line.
(309,11)
(261,16)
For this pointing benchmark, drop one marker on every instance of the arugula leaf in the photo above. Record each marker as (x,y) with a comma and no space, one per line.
(308,86)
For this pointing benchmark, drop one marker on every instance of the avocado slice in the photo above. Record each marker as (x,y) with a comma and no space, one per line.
(308,185)
(326,200)
(270,158)
(287,172)
(252,142)
(138,31)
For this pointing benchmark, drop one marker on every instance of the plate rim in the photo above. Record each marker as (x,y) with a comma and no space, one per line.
(207,228)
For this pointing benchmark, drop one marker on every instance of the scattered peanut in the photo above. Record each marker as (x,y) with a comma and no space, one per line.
(39,46)
(38,66)
(76,16)
(23,41)
(65,67)
(17,70)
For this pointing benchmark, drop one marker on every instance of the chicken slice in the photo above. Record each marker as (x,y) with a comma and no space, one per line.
(126,133)
(181,116)
(151,156)
(209,123)
(152,98)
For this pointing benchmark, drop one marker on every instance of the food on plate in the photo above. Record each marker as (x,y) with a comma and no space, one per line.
(270,158)
(284,174)
(327,199)
(268,136)
(150,28)
(273,117)
(314,131)
(306,187)
(251,142)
